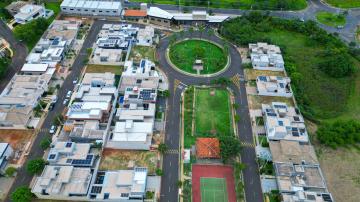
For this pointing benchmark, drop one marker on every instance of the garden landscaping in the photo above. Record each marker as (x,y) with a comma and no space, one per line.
(344,3)
(331,19)
(184,54)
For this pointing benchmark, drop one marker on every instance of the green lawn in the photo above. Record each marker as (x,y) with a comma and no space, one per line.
(344,3)
(212,112)
(328,97)
(92,68)
(184,54)
(213,190)
(54,6)
(236,4)
(216,106)
(331,19)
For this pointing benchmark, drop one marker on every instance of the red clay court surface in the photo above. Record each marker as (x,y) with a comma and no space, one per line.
(212,171)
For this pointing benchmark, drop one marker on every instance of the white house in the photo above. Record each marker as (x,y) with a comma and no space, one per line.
(5,153)
(266,57)
(284,123)
(273,86)
(145,36)
(29,12)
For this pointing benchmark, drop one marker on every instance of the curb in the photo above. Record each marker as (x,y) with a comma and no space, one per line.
(228,63)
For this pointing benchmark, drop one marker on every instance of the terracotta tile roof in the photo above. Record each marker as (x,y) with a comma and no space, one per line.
(207,148)
(135,13)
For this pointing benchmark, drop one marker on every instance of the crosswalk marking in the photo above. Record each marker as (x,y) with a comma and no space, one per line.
(247,144)
(236,80)
(172,151)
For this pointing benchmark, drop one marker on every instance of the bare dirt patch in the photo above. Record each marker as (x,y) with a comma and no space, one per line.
(341,169)
(114,159)
(255,101)
(18,139)
(251,74)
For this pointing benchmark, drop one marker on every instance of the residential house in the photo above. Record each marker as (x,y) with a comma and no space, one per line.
(6,151)
(273,86)
(145,36)
(29,12)
(284,123)
(120,185)
(143,75)
(134,127)
(71,154)
(266,57)
(63,183)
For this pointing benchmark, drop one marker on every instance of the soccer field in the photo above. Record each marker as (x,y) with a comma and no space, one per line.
(212,112)
(213,190)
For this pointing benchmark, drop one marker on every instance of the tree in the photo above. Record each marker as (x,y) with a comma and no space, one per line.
(58,120)
(159,172)
(165,93)
(149,195)
(337,63)
(10,171)
(162,148)
(236,118)
(35,166)
(179,183)
(45,143)
(32,31)
(229,147)
(235,106)
(22,194)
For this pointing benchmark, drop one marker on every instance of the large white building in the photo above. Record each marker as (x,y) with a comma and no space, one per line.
(29,12)
(92,8)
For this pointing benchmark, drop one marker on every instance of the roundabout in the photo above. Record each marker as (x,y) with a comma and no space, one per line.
(179,80)
(198,56)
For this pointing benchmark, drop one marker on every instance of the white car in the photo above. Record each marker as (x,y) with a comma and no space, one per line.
(65,101)
(68,94)
(52,129)
(75,81)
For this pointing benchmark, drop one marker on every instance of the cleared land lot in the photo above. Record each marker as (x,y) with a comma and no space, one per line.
(114,159)
(344,3)
(141,52)
(117,70)
(18,139)
(243,4)
(341,168)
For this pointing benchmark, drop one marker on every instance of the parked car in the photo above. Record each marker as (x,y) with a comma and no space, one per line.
(52,129)
(68,94)
(75,81)
(65,101)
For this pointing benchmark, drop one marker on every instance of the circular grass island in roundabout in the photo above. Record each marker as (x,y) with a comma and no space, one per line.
(198,56)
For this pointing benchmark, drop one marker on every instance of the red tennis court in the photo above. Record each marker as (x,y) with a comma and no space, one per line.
(212,171)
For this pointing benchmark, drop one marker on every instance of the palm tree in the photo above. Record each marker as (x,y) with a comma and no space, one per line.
(162,148)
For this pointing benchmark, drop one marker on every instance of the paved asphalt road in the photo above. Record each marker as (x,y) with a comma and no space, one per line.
(347,33)
(19,57)
(169,190)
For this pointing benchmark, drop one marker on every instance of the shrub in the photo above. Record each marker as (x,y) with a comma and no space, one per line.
(22,194)
(339,133)
(10,171)
(229,147)
(35,166)
(159,172)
